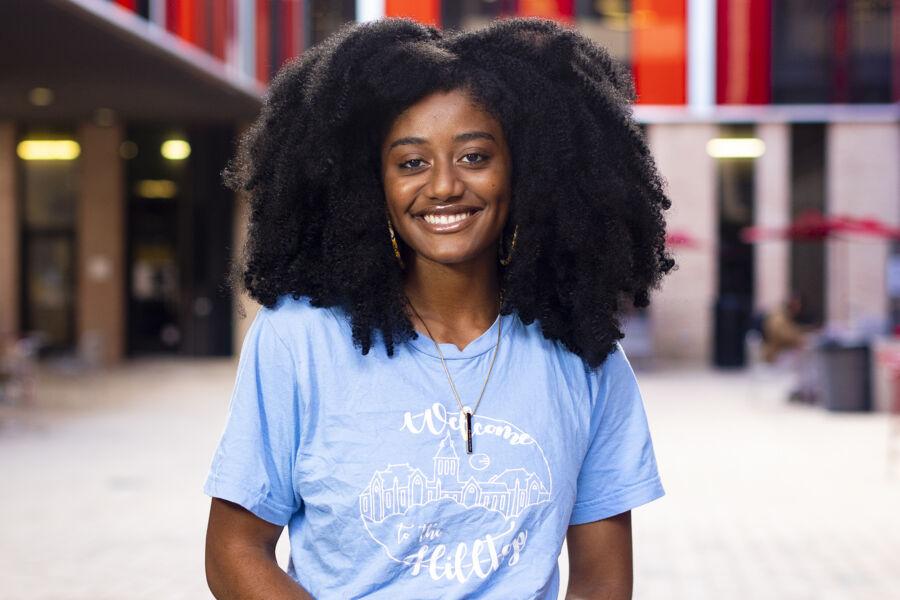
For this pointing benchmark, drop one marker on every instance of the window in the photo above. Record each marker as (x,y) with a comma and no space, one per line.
(836,51)
(802,39)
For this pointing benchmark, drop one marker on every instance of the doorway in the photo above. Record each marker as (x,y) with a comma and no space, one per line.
(179,240)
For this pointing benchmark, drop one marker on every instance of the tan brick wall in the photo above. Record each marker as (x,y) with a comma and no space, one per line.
(863,180)
(772,208)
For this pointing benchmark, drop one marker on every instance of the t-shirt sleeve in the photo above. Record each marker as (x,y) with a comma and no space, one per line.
(254,462)
(619,471)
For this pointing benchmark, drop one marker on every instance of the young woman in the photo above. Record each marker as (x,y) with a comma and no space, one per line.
(443,227)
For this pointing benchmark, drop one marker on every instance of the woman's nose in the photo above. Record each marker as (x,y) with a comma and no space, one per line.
(444,183)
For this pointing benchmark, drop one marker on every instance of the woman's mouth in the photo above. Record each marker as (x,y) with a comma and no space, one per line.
(436,222)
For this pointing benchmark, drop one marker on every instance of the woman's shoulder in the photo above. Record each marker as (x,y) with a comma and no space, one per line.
(293,314)
(614,366)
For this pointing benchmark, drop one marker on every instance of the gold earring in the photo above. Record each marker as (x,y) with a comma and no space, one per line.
(395,246)
(512,246)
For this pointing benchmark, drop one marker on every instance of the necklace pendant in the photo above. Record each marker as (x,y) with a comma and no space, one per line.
(468,432)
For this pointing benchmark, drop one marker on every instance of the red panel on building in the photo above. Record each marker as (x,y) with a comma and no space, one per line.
(187,20)
(173,16)
(288,22)
(841,44)
(743,50)
(558,10)
(219,29)
(423,11)
(203,10)
(263,43)
(659,51)
(129,4)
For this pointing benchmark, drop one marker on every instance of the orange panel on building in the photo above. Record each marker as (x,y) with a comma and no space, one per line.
(659,51)
(188,20)
(424,11)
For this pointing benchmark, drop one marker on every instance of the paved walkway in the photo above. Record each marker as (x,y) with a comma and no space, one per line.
(766,501)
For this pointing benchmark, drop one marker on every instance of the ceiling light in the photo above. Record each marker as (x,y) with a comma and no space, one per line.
(41,96)
(128,150)
(104,117)
(48,149)
(155,188)
(175,149)
(735,147)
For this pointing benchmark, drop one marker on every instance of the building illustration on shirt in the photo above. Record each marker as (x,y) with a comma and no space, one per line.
(394,490)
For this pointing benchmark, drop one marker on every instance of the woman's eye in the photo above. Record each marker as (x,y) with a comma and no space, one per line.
(476,154)
(407,165)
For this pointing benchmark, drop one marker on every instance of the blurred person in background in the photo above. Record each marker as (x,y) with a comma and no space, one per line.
(781,329)
(787,339)
(440,218)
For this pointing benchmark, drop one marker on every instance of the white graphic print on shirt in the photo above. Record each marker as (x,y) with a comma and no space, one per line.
(450,514)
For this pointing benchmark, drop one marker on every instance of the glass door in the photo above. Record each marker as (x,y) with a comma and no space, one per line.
(49,176)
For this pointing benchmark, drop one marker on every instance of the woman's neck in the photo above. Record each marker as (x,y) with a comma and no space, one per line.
(458,302)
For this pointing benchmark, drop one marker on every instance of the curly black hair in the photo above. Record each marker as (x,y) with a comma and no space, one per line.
(586,195)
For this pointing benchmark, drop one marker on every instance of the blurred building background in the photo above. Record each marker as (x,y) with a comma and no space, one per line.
(116,118)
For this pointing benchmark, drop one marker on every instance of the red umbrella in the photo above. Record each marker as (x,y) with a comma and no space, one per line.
(814,226)
(867,226)
(681,239)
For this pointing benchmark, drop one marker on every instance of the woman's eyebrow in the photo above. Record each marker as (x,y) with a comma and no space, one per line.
(473,135)
(462,137)
(411,141)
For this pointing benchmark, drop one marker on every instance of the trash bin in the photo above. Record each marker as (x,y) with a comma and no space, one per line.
(844,371)
(732,319)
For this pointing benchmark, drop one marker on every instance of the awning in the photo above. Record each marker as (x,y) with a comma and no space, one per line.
(93,55)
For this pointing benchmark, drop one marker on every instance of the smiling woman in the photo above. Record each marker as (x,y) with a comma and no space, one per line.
(433,396)
(585,199)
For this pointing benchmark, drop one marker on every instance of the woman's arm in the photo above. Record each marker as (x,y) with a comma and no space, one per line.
(600,566)
(240,556)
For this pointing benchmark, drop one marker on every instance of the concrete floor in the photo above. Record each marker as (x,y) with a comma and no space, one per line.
(765,500)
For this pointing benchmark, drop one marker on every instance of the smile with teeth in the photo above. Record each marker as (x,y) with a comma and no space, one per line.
(447,219)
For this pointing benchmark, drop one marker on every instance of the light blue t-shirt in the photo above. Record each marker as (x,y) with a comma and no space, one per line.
(364,459)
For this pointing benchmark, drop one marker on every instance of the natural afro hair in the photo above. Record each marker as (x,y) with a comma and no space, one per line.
(586,195)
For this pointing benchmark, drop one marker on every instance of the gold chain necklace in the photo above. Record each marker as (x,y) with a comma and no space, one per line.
(464,411)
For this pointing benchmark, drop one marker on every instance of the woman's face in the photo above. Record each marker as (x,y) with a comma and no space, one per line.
(446,175)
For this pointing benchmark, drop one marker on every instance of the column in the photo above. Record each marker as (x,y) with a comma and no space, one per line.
(100,310)
(682,310)
(10,282)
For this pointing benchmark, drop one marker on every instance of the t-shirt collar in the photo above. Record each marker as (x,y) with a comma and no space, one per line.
(483,343)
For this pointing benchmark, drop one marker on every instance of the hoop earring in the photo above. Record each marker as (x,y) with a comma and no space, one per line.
(512,246)
(395,246)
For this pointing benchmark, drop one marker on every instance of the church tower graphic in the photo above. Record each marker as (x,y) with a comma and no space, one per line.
(399,487)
